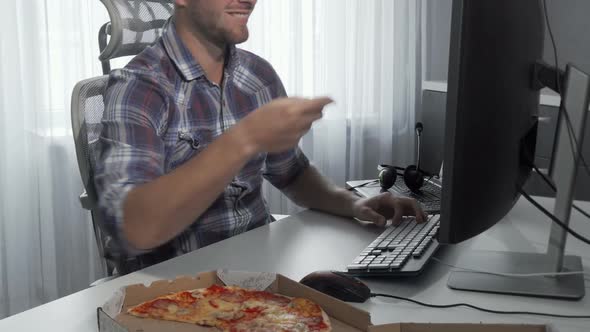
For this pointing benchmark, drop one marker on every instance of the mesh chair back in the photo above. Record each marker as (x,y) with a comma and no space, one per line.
(135,25)
(87,109)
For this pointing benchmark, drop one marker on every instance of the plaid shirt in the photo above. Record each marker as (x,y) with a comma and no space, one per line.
(161,111)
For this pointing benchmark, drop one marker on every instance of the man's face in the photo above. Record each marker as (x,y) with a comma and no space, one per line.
(221,21)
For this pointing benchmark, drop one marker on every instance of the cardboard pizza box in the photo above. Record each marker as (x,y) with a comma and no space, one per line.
(430,327)
(112,316)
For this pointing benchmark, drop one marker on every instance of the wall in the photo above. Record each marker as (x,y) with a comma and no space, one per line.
(569,20)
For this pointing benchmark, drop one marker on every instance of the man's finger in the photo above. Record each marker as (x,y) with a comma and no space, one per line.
(418,211)
(312,117)
(398,212)
(316,105)
(374,217)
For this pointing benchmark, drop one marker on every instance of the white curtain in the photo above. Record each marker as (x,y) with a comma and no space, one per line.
(47,248)
(363,53)
(366,56)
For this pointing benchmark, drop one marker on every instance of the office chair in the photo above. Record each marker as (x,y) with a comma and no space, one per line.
(134,25)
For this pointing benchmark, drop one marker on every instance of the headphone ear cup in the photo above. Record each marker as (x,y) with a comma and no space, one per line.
(413,178)
(387,177)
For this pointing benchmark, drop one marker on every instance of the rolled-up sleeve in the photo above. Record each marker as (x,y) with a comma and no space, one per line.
(283,168)
(131,150)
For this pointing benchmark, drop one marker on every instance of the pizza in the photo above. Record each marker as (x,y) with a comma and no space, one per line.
(235,309)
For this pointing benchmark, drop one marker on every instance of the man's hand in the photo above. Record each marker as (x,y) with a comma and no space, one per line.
(280,124)
(381,208)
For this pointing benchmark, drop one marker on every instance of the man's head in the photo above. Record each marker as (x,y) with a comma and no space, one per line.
(220,22)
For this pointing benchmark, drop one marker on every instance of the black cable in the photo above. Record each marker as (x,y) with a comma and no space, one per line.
(548,23)
(586,214)
(554,218)
(444,306)
(550,184)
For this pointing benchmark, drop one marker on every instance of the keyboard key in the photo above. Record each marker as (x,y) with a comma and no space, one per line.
(421,249)
(379,266)
(396,265)
(357,267)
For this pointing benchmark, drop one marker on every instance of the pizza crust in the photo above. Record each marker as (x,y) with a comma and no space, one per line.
(327,321)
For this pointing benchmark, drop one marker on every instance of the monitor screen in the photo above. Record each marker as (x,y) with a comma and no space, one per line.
(491,115)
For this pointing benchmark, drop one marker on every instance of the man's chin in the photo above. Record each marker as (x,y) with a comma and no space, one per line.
(238,38)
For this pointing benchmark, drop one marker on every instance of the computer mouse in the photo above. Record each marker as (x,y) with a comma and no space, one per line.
(338,285)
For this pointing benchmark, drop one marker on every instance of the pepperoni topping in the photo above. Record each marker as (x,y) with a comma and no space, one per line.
(213,304)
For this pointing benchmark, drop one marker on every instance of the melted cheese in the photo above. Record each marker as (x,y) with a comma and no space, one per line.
(172,308)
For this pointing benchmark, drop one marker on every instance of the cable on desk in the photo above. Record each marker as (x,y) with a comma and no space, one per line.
(446,306)
(554,218)
(511,275)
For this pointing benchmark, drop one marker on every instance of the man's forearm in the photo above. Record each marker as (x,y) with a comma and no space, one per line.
(314,191)
(156,212)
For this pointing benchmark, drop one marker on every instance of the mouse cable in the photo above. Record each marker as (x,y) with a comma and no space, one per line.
(511,275)
(446,306)
(554,218)
(552,186)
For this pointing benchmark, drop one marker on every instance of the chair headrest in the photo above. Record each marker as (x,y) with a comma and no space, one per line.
(134,25)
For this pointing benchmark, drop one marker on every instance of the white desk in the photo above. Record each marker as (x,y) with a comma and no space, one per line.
(311,241)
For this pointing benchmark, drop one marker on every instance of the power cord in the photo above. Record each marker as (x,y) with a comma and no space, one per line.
(552,186)
(445,306)
(554,218)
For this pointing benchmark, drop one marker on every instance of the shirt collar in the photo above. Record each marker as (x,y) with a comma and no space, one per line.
(182,57)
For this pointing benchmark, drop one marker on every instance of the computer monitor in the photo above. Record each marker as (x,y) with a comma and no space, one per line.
(490,134)
(491,115)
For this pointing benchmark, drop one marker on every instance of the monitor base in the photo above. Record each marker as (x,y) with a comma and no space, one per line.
(568,287)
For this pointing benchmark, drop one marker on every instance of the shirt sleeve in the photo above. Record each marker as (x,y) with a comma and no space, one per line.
(281,169)
(131,150)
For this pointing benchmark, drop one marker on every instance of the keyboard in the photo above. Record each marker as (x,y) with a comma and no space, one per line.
(401,250)
(428,196)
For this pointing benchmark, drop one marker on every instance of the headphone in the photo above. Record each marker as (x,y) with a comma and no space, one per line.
(413,176)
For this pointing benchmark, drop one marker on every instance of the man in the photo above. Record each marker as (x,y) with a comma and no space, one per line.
(191,127)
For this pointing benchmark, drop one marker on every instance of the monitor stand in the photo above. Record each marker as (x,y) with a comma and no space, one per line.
(569,287)
(563,171)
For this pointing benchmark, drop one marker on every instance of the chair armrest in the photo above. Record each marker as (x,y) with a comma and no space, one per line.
(86,202)
(103,280)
